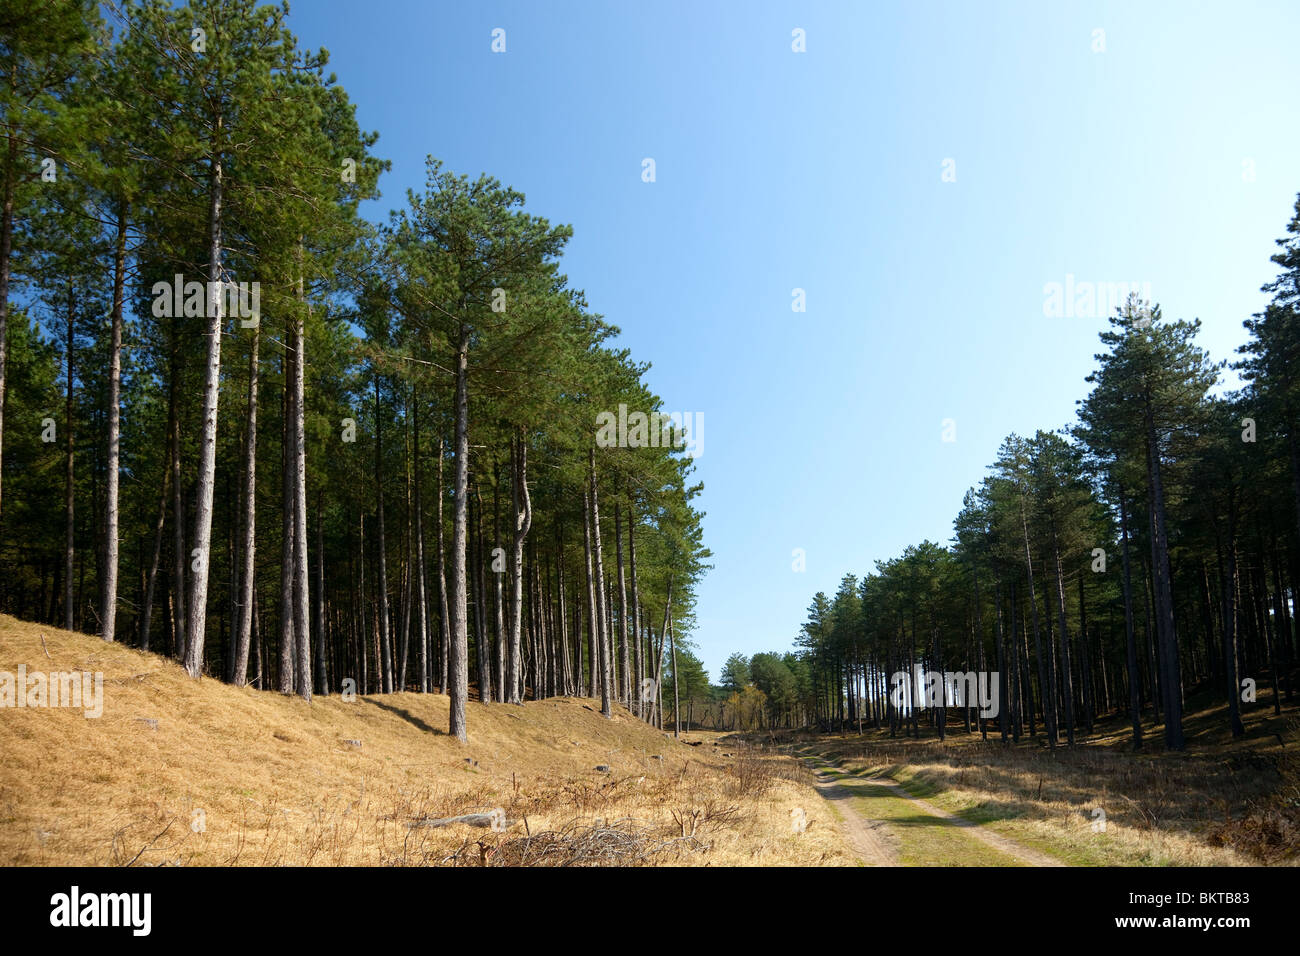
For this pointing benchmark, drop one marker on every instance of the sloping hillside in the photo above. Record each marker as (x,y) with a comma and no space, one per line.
(177,771)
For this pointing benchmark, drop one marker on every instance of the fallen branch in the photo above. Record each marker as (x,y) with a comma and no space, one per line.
(153,841)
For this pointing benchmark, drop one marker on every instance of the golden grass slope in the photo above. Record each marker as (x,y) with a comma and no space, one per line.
(184,772)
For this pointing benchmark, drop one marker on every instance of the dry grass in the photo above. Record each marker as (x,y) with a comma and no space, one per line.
(183,772)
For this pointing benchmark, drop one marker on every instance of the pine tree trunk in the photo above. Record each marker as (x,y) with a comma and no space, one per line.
(1134,678)
(322,674)
(1046,686)
(385,634)
(522,511)
(625,687)
(408,554)
(498,585)
(1066,672)
(6,247)
(565,676)
(177,584)
(260,680)
(152,579)
(659,655)
(197,601)
(593,619)
(289,514)
(979,644)
(444,618)
(244,620)
(1163,590)
(70,484)
(1004,684)
(485,687)
(422,588)
(108,602)
(639,663)
(1282,617)
(1229,587)
(1085,644)
(363,652)
(459,664)
(602,629)
(677,697)
(578,684)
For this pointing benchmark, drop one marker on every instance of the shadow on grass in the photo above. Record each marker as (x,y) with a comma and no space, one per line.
(406,715)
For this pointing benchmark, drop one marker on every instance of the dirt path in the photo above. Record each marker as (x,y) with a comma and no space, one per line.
(866,839)
(870,839)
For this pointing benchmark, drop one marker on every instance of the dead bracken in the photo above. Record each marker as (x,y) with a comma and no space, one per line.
(625,842)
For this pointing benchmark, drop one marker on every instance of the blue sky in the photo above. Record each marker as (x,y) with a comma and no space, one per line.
(1172,158)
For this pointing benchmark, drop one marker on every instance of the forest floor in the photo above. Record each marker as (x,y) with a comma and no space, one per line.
(967,801)
(183,772)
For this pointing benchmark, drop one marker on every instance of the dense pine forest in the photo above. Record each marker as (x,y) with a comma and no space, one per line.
(246,427)
(1147,551)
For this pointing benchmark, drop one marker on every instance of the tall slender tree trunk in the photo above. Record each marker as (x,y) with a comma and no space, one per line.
(408,554)
(979,643)
(422,590)
(1134,678)
(565,677)
(636,612)
(1228,576)
(659,655)
(444,618)
(1085,644)
(363,653)
(625,686)
(498,586)
(1283,619)
(1004,685)
(1163,589)
(205,483)
(1293,446)
(1066,671)
(603,629)
(244,610)
(522,522)
(578,684)
(385,634)
(69,481)
(485,687)
(322,674)
(593,618)
(177,584)
(260,680)
(1046,687)
(288,520)
(108,603)
(459,663)
(6,250)
(151,581)
(677,684)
